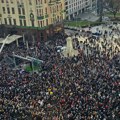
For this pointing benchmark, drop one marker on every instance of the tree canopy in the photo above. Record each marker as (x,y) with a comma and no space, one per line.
(113,6)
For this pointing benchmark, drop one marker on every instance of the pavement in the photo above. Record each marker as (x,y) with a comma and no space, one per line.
(88,16)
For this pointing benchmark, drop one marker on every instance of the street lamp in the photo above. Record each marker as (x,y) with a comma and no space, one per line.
(14,59)
(99,8)
(76,20)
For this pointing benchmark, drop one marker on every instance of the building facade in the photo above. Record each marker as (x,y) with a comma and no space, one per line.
(41,17)
(76,7)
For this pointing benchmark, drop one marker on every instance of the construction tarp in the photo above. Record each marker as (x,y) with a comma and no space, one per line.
(10,39)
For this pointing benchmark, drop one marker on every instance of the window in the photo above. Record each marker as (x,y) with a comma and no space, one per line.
(11,1)
(19,11)
(41,23)
(23,11)
(30,2)
(46,22)
(14,21)
(24,22)
(13,11)
(20,22)
(10,22)
(36,2)
(3,9)
(5,20)
(46,10)
(8,10)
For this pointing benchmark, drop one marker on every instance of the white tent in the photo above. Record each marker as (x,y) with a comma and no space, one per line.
(10,39)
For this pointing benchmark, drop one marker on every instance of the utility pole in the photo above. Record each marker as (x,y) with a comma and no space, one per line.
(14,59)
(99,6)
(101,10)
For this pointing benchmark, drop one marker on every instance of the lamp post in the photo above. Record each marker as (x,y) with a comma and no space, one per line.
(14,59)
(99,8)
(24,39)
(76,20)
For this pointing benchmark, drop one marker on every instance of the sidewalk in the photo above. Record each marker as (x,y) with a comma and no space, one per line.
(88,16)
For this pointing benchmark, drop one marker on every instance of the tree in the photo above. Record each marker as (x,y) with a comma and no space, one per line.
(113,6)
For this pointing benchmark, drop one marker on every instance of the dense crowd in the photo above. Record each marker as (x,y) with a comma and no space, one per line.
(83,87)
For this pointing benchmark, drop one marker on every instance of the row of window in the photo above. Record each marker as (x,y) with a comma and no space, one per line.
(40,1)
(57,19)
(8,10)
(55,8)
(76,7)
(42,24)
(12,10)
(10,21)
(22,22)
(21,1)
(7,1)
(77,4)
(21,11)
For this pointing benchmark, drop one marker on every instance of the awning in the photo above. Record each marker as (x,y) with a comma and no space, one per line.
(10,39)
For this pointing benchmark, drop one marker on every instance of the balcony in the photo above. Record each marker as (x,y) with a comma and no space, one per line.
(22,17)
(40,17)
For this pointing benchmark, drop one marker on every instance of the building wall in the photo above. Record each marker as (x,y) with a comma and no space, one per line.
(75,7)
(40,9)
(32,14)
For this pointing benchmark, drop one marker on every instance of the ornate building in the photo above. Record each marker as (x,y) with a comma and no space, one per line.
(40,17)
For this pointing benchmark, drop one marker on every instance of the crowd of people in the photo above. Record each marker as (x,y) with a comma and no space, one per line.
(82,87)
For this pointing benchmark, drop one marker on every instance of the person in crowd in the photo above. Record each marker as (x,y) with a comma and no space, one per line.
(83,87)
